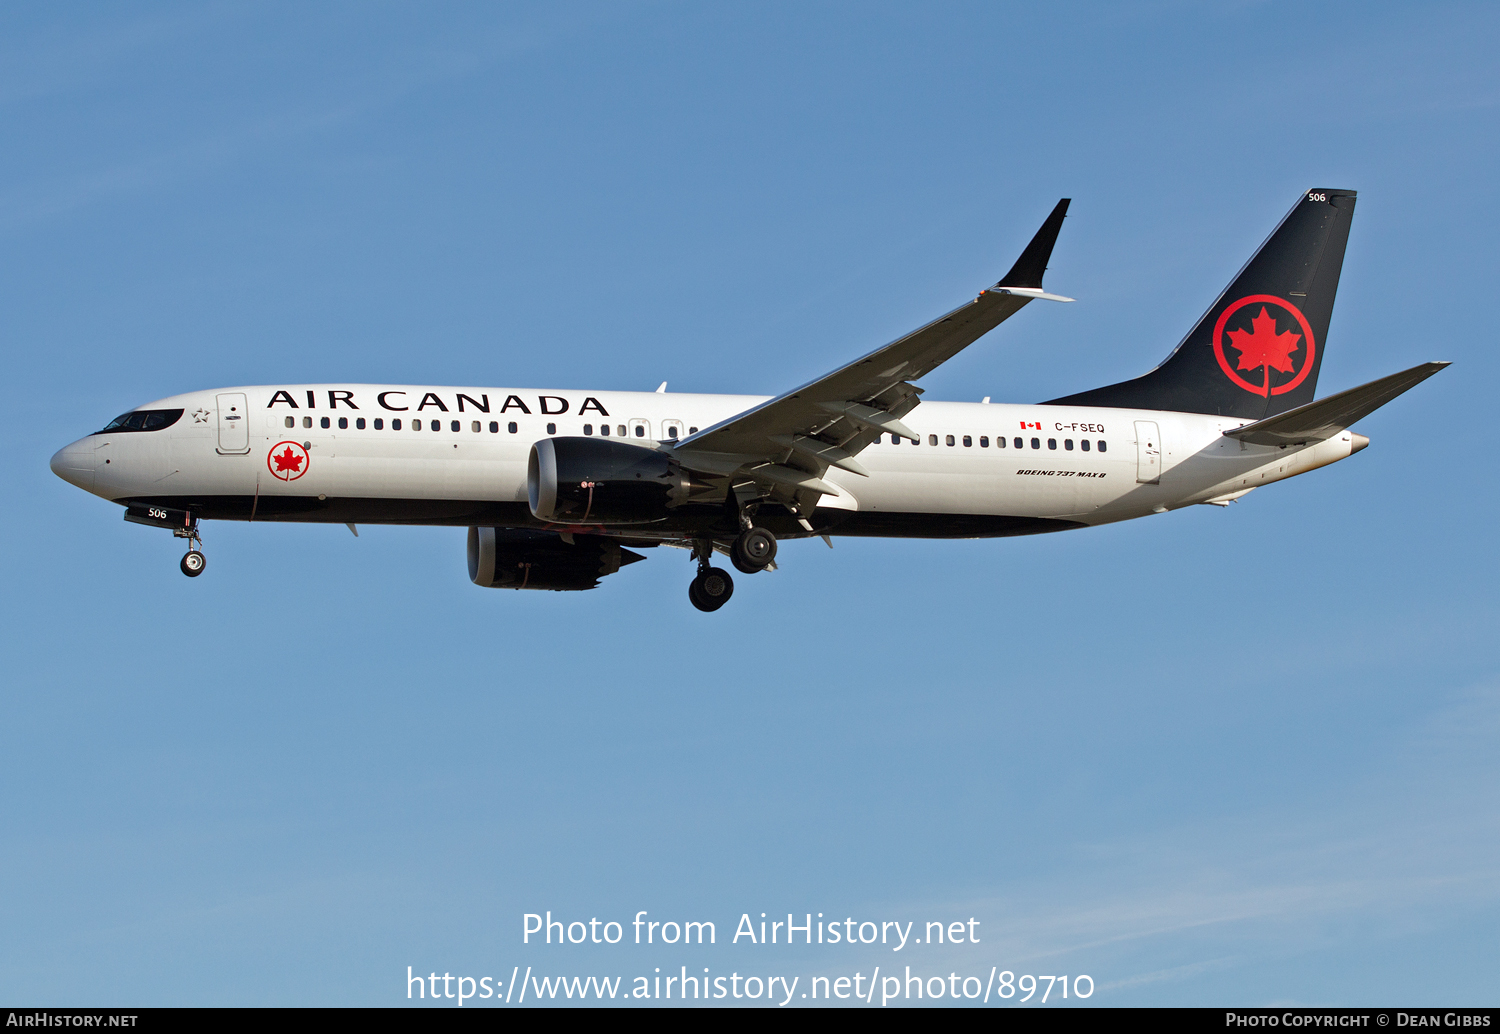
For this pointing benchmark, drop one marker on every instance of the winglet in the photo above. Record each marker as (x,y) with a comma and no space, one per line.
(1028,270)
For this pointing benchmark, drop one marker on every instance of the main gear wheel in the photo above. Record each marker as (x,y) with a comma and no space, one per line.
(711,589)
(753,550)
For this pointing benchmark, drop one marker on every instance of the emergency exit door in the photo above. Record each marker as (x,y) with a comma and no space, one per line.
(1147,452)
(234,424)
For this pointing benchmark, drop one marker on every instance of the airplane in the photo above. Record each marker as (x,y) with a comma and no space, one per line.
(560,488)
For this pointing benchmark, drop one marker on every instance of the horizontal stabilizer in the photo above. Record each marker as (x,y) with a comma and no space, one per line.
(1321,420)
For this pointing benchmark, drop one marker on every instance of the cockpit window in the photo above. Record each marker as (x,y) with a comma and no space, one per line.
(142,420)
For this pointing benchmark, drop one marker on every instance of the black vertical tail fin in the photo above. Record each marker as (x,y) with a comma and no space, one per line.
(1257,350)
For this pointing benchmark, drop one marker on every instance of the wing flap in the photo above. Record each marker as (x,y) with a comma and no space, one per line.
(865,416)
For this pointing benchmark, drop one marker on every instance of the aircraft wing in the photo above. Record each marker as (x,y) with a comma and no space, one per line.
(788,443)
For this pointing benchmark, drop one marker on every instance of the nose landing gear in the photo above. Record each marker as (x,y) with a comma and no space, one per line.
(193,561)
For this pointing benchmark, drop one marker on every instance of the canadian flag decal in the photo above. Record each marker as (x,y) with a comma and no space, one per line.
(1028,425)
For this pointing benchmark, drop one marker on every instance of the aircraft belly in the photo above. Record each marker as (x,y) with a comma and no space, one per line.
(1047,493)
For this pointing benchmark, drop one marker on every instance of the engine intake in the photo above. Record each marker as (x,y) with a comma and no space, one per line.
(598,481)
(514,558)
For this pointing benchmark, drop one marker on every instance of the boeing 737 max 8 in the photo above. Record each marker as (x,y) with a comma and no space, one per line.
(558,488)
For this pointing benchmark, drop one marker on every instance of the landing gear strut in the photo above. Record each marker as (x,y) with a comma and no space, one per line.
(712,587)
(193,561)
(753,550)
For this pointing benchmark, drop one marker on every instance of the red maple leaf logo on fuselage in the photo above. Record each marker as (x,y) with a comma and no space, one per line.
(1262,345)
(288,460)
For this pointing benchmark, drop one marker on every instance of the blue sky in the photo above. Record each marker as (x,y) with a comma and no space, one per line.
(1215,757)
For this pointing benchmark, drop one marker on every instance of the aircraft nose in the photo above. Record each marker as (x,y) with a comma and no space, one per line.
(75,464)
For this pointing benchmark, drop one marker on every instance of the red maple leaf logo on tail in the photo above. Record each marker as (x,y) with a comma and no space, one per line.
(288,460)
(1262,345)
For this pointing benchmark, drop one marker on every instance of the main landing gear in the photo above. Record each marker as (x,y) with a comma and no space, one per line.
(193,561)
(752,550)
(711,589)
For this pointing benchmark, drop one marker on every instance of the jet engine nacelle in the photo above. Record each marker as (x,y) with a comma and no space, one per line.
(600,481)
(514,558)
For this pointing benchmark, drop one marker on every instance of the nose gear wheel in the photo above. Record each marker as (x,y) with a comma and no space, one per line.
(193,561)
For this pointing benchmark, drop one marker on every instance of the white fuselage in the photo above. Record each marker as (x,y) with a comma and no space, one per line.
(460,449)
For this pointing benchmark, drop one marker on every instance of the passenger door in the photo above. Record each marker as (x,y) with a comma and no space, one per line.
(234,424)
(1147,453)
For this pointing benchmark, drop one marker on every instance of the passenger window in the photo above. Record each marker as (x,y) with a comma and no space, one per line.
(324,423)
(932,439)
(1051,443)
(1068,444)
(511,427)
(494,427)
(999,442)
(455,425)
(692,430)
(291,421)
(474,427)
(379,424)
(1036,443)
(950,440)
(396,424)
(604,430)
(588,429)
(437,425)
(551,428)
(968,442)
(359,423)
(672,431)
(1103,447)
(307,421)
(622,431)
(416,425)
(1020,444)
(1084,445)
(640,430)
(984,441)
(343,423)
